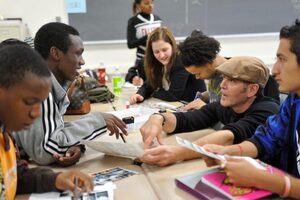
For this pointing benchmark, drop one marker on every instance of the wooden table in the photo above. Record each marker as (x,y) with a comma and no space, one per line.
(151,182)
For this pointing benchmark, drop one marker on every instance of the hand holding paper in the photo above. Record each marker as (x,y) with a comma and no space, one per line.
(222,158)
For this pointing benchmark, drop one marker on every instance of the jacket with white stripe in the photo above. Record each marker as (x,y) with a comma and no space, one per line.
(138,28)
(50,135)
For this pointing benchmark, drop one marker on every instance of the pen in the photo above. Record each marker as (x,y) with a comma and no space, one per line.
(198,95)
(137,73)
(76,196)
(122,136)
(111,103)
(183,102)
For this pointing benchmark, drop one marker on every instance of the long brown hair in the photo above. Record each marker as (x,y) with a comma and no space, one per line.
(154,68)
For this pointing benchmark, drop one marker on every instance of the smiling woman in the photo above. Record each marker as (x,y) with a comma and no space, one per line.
(167,78)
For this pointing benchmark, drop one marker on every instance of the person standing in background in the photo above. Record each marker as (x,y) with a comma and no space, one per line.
(167,78)
(138,28)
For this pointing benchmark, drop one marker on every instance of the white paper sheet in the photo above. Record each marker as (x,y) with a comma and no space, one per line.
(129,85)
(107,187)
(132,150)
(201,150)
(141,114)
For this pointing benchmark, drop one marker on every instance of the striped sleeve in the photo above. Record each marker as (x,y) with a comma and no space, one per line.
(59,137)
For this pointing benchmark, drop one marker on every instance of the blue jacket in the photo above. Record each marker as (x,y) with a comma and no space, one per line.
(277,140)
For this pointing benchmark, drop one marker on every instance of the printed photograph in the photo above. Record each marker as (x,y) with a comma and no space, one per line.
(113,174)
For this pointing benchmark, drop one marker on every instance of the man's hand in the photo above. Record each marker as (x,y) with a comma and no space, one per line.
(152,129)
(113,124)
(136,98)
(162,155)
(71,157)
(196,104)
(65,181)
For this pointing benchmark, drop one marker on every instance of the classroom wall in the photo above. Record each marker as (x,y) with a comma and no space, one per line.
(35,13)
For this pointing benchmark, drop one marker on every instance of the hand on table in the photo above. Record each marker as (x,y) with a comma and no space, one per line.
(196,104)
(151,129)
(136,98)
(162,155)
(71,157)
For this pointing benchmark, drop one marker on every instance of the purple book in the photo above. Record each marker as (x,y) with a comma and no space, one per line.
(192,184)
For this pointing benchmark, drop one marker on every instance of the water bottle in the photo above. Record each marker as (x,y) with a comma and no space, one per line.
(117,82)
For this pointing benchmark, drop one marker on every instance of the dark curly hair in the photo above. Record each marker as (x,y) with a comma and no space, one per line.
(292,33)
(198,49)
(18,59)
(53,34)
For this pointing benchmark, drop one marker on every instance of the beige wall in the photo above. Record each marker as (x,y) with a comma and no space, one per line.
(35,13)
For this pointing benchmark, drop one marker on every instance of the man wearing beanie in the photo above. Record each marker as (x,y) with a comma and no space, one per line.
(241,109)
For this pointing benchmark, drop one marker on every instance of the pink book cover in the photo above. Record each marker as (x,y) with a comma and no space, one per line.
(219,182)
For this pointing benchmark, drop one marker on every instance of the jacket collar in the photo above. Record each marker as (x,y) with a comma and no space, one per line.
(59,91)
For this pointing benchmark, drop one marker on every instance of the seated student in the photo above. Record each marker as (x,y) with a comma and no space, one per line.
(200,56)
(241,109)
(50,139)
(24,83)
(166,77)
(276,142)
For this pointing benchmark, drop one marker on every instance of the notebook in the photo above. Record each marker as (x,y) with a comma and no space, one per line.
(192,184)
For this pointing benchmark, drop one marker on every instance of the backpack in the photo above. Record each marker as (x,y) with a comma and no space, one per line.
(97,93)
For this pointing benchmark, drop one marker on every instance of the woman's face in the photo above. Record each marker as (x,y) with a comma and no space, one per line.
(146,6)
(162,51)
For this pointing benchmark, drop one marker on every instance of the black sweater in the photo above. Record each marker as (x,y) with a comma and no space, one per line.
(242,125)
(183,85)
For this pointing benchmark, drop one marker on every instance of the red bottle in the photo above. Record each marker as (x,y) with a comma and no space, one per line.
(101,76)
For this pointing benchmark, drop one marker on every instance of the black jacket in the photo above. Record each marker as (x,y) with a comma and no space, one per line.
(183,85)
(242,125)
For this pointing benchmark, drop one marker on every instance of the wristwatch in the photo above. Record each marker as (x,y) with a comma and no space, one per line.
(164,118)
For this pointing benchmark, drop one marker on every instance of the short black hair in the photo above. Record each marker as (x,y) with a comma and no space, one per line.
(198,49)
(12,41)
(292,33)
(53,34)
(137,1)
(16,60)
